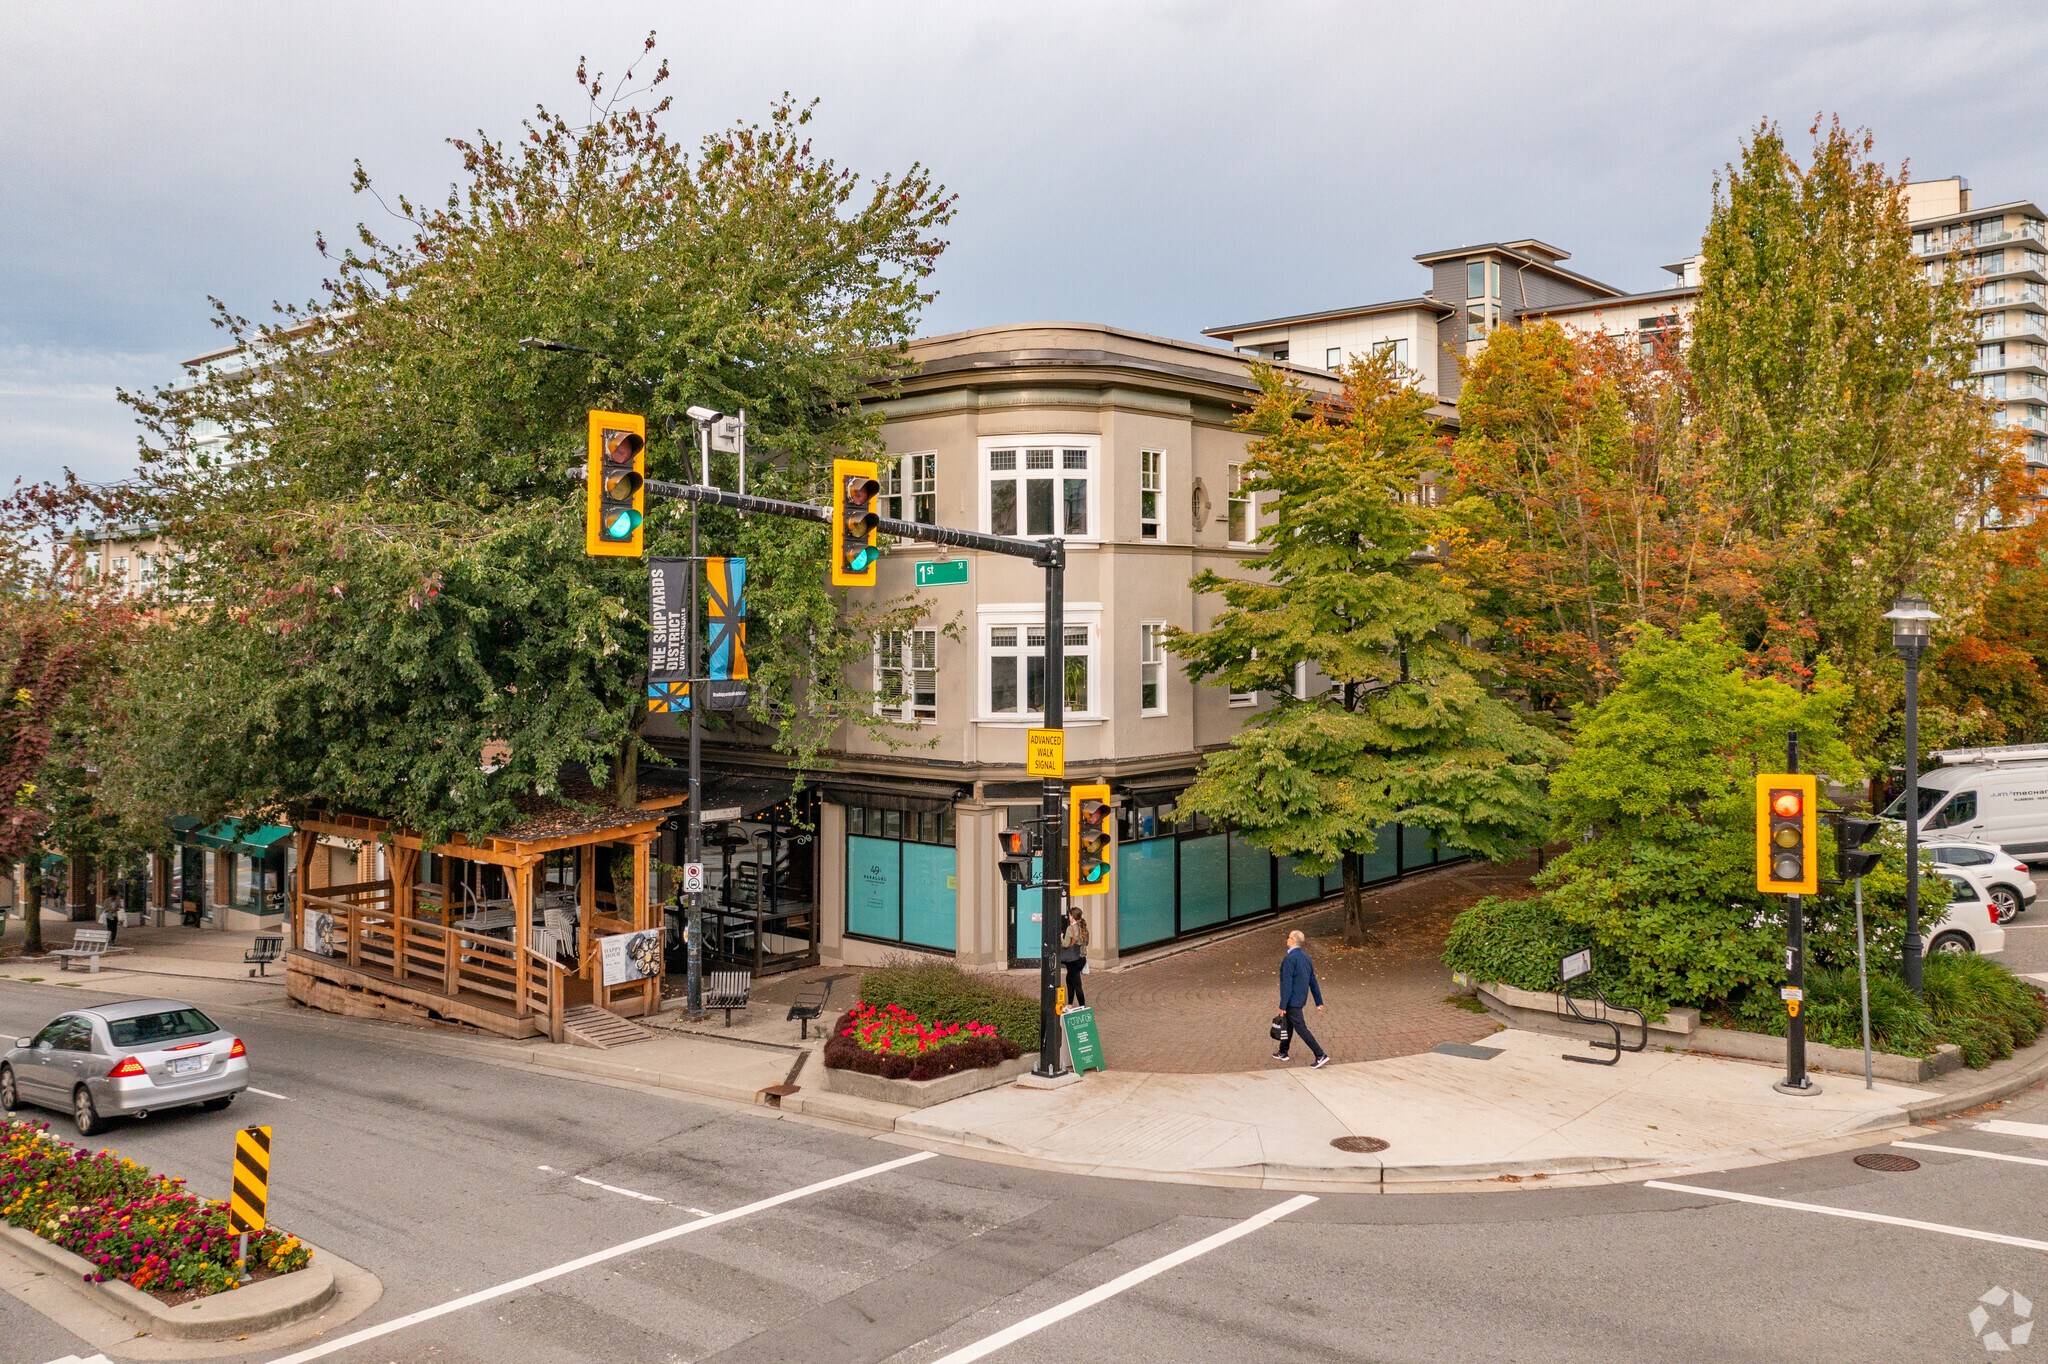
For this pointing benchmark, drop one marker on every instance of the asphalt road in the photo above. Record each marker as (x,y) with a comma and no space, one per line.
(445,1178)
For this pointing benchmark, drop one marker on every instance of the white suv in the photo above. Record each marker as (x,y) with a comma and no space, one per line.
(1997,875)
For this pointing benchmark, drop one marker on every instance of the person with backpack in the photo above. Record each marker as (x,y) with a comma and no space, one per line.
(1074,955)
(1297,983)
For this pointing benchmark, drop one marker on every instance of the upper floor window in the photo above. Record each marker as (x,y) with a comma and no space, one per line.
(1016,668)
(1152,668)
(1040,489)
(1333,357)
(1241,508)
(1279,352)
(1475,279)
(1397,347)
(910,490)
(907,675)
(1151,492)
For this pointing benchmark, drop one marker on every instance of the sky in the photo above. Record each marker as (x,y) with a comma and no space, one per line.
(1159,167)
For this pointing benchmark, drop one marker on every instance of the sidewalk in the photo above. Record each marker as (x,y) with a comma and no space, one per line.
(199,965)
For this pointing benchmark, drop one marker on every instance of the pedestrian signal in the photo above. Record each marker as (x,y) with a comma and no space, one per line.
(1018,848)
(854,519)
(1787,850)
(1090,834)
(1851,860)
(615,503)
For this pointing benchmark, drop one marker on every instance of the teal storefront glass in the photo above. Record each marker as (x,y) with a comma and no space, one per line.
(1418,847)
(1251,878)
(874,887)
(929,875)
(1380,864)
(1144,892)
(1204,882)
(1298,889)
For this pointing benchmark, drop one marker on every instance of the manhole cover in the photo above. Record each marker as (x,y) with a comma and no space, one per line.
(1363,1145)
(1887,1162)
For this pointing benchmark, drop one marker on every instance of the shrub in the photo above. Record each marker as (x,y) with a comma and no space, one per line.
(1515,942)
(1980,1006)
(940,992)
(894,1029)
(1966,999)
(846,1052)
(139,1227)
(1899,1023)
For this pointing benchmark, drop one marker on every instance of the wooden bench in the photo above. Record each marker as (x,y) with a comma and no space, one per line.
(267,949)
(87,945)
(809,1003)
(728,990)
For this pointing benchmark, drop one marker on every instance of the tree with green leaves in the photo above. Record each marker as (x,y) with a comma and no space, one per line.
(1397,724)
(1834,366)
(383,568)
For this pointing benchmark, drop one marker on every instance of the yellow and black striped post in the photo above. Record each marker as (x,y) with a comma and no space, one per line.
(250,1195)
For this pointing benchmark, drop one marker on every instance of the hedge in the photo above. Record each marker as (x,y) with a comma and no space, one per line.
(940,992)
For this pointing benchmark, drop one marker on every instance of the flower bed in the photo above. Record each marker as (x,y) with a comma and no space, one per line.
(139,1227)
(892,1042)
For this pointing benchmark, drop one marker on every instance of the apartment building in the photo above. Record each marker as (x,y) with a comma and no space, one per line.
(2004,247)
(1122,444)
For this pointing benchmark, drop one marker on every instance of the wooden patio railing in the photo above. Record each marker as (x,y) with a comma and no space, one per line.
(448,960)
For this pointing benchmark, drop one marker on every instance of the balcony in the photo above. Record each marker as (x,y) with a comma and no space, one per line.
(2011,294)
(1998,326)
(2008,357)
(2014,388)
(1963,239)
(2013,264)
(2027,418)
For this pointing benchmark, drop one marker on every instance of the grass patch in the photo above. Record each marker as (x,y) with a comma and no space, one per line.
(1466,1002)
(940,992)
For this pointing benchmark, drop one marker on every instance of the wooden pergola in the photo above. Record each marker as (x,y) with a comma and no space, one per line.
(403,945)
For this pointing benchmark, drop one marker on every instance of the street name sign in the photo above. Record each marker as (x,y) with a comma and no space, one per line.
(1045,752)
(941,572)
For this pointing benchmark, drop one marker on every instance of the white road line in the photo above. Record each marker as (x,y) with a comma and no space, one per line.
(328,1347)
(988,1345)
(613,1188)
(1966,1151)
(2013,1129)
(1968,1233)
(268,1095)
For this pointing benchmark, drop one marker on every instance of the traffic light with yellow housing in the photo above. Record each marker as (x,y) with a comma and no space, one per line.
(1787,835)
(615,502)
(1091,834)
(854,519)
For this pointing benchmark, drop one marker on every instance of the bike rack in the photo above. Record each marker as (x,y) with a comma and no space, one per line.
(1572,971)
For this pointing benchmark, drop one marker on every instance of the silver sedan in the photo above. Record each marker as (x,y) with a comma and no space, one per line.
(125,1060)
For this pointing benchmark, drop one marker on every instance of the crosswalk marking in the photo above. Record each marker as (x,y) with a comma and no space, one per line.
(1854,1215)
(2014,1129)
(1970,1151)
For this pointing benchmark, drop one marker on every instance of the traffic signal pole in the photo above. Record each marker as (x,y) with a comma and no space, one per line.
(1050,555)
(1796,1080)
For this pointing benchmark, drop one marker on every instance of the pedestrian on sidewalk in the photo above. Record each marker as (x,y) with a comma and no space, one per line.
(1297,983)
(1074,955)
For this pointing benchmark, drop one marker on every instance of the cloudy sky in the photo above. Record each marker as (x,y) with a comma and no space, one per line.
(1163,167)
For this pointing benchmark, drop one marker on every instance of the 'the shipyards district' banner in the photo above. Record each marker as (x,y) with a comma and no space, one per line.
(668,635)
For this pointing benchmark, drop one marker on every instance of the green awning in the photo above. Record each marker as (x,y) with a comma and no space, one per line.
(228,835)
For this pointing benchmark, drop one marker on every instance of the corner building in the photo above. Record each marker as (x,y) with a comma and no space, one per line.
(1122,445)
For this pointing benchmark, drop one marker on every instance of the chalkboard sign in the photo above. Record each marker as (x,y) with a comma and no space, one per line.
(1084,1043)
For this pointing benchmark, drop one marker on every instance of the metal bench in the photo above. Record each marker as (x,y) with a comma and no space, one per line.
(809,1003)
(267,949)
(87,945)
(727,990)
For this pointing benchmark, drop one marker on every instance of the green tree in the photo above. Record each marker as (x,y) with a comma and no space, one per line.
(1396,725)
(1658,804)
(383,565)
(1834,365)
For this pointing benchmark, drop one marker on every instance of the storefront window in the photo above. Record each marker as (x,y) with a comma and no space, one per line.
(902,876)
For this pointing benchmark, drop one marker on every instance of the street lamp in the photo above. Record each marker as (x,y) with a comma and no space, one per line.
(1912,624)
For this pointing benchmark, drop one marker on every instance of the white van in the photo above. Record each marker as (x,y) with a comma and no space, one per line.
(1986,795)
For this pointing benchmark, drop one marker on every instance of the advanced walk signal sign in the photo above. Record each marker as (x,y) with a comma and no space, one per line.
(250,1195)
(1090,834)
(615,505)
(1787,845)
(854,522)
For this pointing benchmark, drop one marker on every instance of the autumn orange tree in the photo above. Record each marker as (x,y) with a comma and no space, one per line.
(1590,503)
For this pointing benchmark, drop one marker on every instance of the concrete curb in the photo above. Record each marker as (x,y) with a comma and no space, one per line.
(925,1093)
(221,1316)
(2026,1076)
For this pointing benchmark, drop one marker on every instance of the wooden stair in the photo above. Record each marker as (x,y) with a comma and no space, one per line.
(589,1026)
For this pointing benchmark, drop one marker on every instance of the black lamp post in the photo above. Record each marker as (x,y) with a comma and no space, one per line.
(1912,624)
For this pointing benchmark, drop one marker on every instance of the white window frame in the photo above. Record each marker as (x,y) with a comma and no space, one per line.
(1082,619)
(1152,482)
(1152,665)
(912,480)
(1244,698)
(889,663)
(986,478)
(1233,479)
